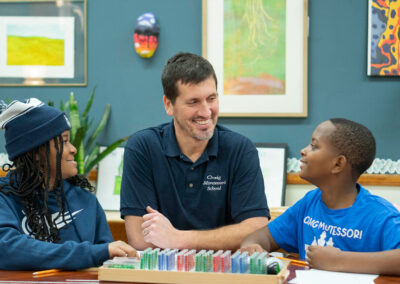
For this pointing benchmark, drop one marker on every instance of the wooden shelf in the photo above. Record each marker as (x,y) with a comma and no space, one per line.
(365,179)
(276,211)
(294,178)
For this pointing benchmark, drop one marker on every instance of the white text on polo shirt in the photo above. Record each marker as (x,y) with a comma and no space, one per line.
(333,230)
(214,182)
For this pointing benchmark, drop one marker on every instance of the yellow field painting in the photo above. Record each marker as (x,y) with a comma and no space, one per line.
(35,51)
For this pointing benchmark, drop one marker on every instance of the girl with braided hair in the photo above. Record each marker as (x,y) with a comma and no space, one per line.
(48,218)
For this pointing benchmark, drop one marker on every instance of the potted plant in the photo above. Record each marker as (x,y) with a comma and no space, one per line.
(83,138)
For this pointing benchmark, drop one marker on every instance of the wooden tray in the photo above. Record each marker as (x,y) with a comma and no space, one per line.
(155,276)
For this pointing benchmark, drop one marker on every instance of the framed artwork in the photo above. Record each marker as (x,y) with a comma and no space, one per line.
(383,38)
(258,49)
(273,167)
(109,179)
(43,43)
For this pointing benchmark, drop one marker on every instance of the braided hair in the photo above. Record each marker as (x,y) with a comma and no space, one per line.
(30,181)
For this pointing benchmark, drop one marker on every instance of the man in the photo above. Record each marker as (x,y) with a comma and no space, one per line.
(191,183)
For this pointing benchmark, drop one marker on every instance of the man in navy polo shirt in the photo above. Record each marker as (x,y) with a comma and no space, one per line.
(191,183)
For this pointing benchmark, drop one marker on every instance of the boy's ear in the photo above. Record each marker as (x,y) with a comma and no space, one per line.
(340,163)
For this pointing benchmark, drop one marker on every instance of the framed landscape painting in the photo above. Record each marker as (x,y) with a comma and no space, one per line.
(259,52)
(42,43)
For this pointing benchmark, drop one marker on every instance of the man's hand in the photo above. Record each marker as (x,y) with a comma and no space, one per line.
(252,248)
(158,230)
(120,248)
(326,258)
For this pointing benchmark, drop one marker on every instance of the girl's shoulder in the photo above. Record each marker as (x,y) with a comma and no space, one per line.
(7,199)
(74,190)
(4,180)
(4,185)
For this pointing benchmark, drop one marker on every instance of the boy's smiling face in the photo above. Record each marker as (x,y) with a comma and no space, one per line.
(319,157)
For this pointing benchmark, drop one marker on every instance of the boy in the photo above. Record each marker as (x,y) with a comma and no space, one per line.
(339,226)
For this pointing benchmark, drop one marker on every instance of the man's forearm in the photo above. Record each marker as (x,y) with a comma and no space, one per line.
(227,237)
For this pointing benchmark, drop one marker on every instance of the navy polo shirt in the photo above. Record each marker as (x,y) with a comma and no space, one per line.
(224,186)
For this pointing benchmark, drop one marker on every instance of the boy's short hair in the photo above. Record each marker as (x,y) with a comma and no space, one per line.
(355,142)
(187,68)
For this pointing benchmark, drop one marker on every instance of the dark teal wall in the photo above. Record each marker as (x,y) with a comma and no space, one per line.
(337,81)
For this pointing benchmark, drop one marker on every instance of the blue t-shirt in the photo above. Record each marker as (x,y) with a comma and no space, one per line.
(84,234)
(370,224)
(224,186)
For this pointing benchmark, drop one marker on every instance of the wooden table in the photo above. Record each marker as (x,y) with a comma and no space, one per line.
(90,277)
(70,277)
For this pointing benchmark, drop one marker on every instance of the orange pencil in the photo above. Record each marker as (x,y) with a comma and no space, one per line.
(46,271)
(294,261)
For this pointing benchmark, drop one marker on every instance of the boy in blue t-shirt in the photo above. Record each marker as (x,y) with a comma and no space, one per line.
(339,226)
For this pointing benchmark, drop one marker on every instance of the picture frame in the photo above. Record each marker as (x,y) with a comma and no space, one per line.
(273,157)
(43,43)
(383,38)
(109,179)
(256,78)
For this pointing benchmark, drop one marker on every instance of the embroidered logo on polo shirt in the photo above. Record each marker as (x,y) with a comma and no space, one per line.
(214,183)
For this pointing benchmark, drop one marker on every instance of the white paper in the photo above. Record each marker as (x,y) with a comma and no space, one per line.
(328,277)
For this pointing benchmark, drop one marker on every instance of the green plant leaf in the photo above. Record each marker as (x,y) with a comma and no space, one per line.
(85,124)
(62,106)
(74,116)
(89,105)
(87,157)
(90,123)
(80,158)
(79,136)
(92,156)
(50,103)
(103,154)
(99,128)
(80,149)
(65,106)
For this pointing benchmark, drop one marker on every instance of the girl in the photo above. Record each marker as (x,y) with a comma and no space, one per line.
(47,218)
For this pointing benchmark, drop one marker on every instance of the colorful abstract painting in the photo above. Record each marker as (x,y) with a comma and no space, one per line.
(384,35)
(254,47)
